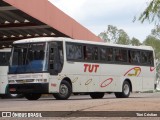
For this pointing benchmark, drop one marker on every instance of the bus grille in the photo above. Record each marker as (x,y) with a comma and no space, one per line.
(25,81)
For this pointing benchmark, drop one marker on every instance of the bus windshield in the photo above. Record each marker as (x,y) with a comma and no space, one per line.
(28,58)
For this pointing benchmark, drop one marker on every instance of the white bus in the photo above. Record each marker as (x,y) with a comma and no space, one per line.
(61,66)
(4,62)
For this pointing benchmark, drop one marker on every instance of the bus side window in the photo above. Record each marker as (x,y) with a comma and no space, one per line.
(103,54)
(55,57)
(87,52)
(70,51)
(84,53)
(74,52)
(135,56)
(90,53)
(121,55)
(60,58)
(95,53)
(144,57)
(78,52)
(109,54)
(129,56)
(150,58)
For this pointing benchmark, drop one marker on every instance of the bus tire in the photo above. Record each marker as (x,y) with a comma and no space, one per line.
(31,96)
(65,91)
(126,89)
(97,95)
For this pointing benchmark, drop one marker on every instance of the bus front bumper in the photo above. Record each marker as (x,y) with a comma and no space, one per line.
(29,88)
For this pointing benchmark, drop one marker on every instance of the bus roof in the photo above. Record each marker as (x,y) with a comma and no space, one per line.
(47,39)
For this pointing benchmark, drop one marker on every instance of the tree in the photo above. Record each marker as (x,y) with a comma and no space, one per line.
(115,35)
(110,35)
(156,32)
(155,43)
(123,38)
(135,42)
(152,12)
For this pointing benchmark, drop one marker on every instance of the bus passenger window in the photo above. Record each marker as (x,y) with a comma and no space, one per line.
(88,55)
(109,54)
(144,57)
(95,53)
(103,54)
(52,50)
(121,55)
(129,57)
(124,55)
(78,52)
(135,56)
(74,52)
(70,51)
(87,52)
(150,58)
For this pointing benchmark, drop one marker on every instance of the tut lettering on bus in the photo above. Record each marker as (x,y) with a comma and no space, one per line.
(133,72)
(106,82)
(90,68)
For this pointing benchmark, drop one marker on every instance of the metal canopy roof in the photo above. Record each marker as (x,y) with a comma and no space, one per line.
(15,25)
(20,19)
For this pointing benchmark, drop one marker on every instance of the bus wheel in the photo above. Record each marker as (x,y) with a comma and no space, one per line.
(126,89)
(65,91)
(97,95)
(31,96)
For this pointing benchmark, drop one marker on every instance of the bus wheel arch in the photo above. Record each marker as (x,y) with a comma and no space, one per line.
(65,90)
(129,81)
(68,80)
(126,89)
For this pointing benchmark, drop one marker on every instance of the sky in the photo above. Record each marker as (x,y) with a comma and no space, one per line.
(96,15)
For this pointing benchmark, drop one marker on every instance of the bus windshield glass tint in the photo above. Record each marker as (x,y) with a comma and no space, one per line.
(28,58)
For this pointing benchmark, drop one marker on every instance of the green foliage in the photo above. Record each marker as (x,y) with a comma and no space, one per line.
(152,12)
(154,40)
(111,35)
(135,42)
(155,43)
(115,35)
(123,38)
(156,32)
